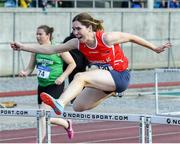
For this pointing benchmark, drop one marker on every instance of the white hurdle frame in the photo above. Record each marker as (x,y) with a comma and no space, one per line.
(156,89)
(98,116)
(25,113)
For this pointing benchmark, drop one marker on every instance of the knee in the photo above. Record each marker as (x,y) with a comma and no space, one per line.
(79,107)
(79,76)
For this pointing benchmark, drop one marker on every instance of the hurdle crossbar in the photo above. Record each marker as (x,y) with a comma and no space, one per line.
(170,113)
(21,112)
(101,116)
(167,70)
(165,120)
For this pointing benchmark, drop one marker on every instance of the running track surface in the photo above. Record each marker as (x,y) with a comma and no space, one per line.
(96,132)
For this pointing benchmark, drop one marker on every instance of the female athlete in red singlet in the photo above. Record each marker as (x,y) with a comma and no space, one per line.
(102,50)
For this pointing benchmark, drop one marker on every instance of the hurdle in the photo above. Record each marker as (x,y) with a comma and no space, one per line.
(25,113)
(98,116)
(157,71)
(151,119)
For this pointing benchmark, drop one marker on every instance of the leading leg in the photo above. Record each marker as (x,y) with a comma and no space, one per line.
(99,79)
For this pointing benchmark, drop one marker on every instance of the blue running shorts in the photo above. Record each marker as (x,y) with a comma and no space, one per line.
(121,80)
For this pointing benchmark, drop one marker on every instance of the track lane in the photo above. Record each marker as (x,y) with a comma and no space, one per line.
(96,132)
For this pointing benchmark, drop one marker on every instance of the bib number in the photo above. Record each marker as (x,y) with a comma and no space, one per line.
(43,72)
(104,67)
(101,66)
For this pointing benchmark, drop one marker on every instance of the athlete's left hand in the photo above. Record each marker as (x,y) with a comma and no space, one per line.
(163,47)
(59,80)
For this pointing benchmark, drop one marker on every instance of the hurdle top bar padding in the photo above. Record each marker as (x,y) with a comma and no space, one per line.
(167,70)
(99,116)
(21,112)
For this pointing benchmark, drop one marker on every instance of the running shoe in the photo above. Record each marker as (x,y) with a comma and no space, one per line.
(49,100)
(70,130)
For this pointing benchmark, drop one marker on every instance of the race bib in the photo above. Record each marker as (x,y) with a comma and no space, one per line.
(101,66)
(104,67)
(43,72)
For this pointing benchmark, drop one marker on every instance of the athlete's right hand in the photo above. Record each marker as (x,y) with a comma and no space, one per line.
(16,46)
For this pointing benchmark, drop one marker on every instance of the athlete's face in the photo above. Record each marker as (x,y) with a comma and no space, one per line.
(42,37)
(81,31)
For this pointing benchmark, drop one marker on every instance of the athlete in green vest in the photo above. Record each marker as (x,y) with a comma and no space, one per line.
(50,75)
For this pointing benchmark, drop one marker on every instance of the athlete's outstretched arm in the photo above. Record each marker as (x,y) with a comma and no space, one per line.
(120,37)
(46,49)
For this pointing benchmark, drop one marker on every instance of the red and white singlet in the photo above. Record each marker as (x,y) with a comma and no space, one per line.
(113,55)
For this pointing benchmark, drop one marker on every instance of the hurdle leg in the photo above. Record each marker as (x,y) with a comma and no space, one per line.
(156,93)
(48,127)
(39,139)
(142,130)
(148,130)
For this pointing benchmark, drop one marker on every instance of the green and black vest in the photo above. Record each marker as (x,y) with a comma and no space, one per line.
(49,68)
